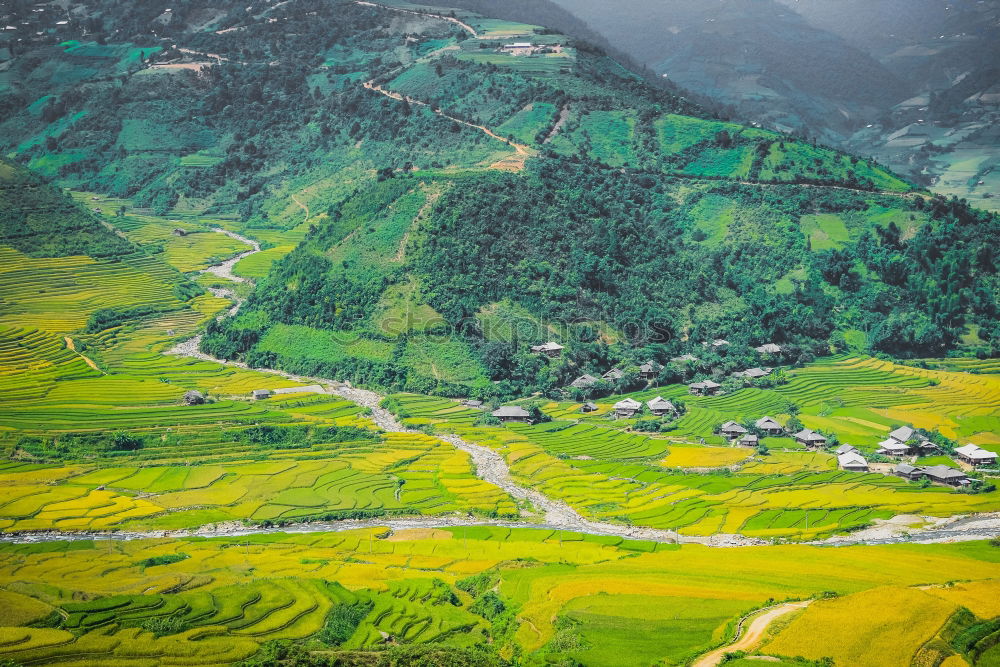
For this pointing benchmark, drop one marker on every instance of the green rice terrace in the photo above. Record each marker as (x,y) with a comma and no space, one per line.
(379,333)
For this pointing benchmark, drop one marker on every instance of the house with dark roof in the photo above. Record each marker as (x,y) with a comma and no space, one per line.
(731,430)
(753,373)
(704,388)
(512,413)
(770,426)
(926,448)
(946,476)
(660,406)
(584,382)
(649,370)
(906,471)
(549,349)
(810,439)
(975,455)
(748,440)
(627,408)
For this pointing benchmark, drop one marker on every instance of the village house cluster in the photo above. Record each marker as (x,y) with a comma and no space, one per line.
(649,370)
(529,49)
(658,407)
(903,441)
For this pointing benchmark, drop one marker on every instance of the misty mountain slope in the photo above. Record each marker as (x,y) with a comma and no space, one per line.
(911,83)
(944,135)
(761,57)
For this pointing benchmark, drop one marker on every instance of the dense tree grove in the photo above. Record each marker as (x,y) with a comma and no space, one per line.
(41,221)
(574,243)
(588,248)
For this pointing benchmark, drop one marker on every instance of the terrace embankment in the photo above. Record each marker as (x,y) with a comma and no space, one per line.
(545,512)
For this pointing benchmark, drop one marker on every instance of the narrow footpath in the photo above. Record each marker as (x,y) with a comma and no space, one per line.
(515,163)
(749,636)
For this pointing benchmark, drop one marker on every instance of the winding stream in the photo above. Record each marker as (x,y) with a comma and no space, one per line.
(225,269)
(491,467)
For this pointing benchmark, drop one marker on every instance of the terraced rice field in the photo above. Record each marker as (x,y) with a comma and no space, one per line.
(197,249)
(216,601)
(608,473)
(401,474)
(882,626)
(31,361)
(58,294)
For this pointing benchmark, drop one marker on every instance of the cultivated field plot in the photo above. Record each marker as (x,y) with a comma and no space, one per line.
(400,474)
(58,294)
(214,601)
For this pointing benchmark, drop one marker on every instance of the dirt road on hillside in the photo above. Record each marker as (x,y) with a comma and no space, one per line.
(750,634)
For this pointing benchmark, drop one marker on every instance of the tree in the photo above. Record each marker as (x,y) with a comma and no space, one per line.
(535,411)
(122,441)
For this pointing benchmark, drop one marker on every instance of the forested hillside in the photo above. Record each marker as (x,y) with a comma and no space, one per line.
(41,221)
(457,203)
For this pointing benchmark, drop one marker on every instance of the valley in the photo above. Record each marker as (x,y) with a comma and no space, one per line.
(397,334)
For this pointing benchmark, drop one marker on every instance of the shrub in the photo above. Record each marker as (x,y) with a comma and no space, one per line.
(486,419)
(162,626)
(122,441)
(478,584)
(489,606)
(106,318)
(165,559)
(343,620)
